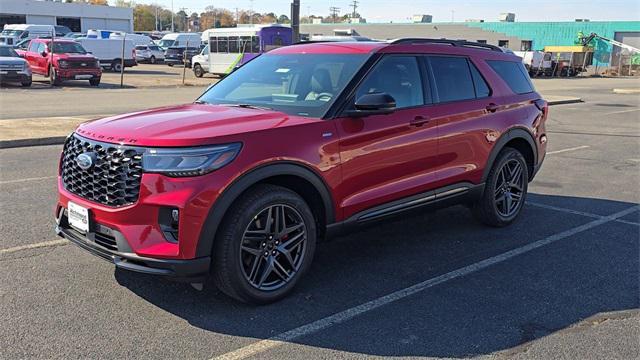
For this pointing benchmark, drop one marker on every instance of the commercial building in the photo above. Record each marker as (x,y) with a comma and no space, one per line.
(517,36)
(78,17)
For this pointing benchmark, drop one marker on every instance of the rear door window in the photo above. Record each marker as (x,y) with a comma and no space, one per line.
(453,79)
(514,74)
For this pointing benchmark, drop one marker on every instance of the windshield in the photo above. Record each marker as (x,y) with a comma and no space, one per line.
(7,52)
(165,43)
(12,32)
(296,84)
(67,48)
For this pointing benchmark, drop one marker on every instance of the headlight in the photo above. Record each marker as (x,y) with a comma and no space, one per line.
(63,63)
(189,161)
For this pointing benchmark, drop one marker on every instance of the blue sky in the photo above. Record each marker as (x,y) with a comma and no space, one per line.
(401,10)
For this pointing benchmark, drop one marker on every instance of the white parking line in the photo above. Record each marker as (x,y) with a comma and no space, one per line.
(27,179)
(346,315)
(34,246)
(622,111)
(567,150)
(576,212)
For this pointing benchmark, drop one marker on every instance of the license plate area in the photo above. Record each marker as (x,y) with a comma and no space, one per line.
(84,77)
(78,217)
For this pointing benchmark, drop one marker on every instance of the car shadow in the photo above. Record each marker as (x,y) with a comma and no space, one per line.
(496,309)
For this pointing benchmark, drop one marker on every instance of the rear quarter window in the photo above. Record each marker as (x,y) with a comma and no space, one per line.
(452,77)
(514,74)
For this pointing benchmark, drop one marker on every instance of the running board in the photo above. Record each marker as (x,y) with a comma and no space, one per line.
(434,199)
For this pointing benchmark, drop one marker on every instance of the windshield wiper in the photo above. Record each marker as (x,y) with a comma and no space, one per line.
(248,106)
(200,102)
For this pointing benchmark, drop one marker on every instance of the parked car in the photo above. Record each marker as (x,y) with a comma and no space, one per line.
(200,62)
(138,39)
(109,52)
(62,30)
(13,68)
(70,61)
(176,55)
(149,53)
(536,62)
(14,33)
(301,143)
(75,35)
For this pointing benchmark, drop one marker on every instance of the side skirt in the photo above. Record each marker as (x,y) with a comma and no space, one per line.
(455,194)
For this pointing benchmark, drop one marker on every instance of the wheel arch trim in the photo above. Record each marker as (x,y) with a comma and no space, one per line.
(245,181)
(512,134)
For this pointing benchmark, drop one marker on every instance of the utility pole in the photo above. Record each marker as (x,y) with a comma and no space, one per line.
(295,20)
(333,10)
(172,27)
(156,6)
(354,5)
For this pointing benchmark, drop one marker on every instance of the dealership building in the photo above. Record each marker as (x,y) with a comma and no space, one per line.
(78,17)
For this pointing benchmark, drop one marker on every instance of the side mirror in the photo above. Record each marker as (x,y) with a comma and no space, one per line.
(373,104)
(44,54)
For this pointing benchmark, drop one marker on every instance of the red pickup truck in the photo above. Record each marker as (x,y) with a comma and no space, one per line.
(70,61)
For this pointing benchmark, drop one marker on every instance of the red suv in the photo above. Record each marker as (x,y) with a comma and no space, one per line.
(70,61)
(301,143)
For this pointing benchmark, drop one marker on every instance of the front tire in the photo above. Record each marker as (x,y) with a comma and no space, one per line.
(94,82)
(265,245)
(198,71)
(505,190)
(116,66)
(54,80)
(26,83)
(152,59)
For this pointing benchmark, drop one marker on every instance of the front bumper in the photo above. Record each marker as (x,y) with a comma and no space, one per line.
(97,242)
(17,76)
(86,74)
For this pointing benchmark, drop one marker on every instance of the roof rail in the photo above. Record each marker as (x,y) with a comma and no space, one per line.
(446,41)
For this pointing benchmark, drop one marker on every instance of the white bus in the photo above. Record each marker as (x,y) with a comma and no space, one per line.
(232,47)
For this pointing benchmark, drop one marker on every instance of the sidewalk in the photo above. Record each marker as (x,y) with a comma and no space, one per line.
(53,130)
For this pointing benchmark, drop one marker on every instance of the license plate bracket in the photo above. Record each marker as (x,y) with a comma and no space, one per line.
(78,217)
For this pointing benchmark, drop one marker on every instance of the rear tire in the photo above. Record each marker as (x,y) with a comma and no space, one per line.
(170,64)
(505,190)
(116,66)
(198,71)
(251,244)
(26,83)
(94,82)
(153,59)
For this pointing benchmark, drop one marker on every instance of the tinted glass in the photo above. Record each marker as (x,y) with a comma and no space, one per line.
(213,45)
(33,46)
(296,84)
(141,47)
(514,74)
(255,44)
(245,44)
(223,45)
(452,78)
(482,89)
(398,76)
(68,48)
(233,44)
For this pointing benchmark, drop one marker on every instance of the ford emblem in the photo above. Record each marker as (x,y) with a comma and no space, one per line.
(85,160)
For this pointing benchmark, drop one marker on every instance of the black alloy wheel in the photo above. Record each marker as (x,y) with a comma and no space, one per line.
(273,247)
(509,188)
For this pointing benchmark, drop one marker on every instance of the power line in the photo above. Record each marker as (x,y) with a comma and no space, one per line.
(354,5)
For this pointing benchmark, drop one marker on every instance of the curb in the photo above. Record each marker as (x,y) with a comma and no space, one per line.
(565,101)
(54,140)
(626,91)
(57,140)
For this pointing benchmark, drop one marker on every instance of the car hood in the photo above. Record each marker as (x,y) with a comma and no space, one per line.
(6,60)
(185,125)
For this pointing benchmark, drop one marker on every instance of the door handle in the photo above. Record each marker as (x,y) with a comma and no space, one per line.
(419,121)
(492,107)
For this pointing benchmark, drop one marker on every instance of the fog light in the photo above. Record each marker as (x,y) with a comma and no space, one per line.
(169,221)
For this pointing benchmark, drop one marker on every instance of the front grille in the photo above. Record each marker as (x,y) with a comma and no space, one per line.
(107,241)
(78,64)
(114,177)
(8,67)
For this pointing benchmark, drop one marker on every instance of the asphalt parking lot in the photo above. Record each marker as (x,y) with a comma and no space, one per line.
(562,282)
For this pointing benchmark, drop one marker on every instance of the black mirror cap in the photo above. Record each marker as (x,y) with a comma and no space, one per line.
(44,54)
(373,104)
